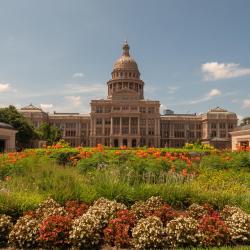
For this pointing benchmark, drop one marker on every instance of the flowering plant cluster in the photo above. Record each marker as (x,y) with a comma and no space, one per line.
(54,231)
(5,227)
(238,223)
(119,230)
(148,233)
(150,224)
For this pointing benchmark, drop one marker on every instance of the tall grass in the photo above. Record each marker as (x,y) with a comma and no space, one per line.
(35,178)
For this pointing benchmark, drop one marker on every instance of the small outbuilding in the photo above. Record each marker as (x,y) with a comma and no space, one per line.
(7,138)
(241,136)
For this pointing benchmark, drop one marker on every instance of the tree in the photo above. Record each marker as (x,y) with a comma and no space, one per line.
(245,121)
(49,133)
(26,131)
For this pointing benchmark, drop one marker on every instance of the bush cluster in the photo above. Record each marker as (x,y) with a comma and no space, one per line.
(150,224)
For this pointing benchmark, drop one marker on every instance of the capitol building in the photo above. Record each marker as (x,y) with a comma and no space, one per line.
(126,118)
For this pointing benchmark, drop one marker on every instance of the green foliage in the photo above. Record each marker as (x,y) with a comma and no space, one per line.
(49,133)
(25,132)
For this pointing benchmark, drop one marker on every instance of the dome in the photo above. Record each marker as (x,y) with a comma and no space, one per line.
(126,62)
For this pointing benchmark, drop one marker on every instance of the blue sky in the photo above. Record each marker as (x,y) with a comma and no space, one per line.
(192,54)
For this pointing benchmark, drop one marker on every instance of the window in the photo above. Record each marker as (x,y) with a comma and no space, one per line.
(222,125)
(213,133)
(116,108)
(70,133)
(133,131)
(71,125)
(151,110)
(98,109)
(107,121)
(98,121)
(125,131)
(151,122)
(143,122)
(230,125)
(198,126)
(125,108)
(150,131)
(143,109)
(213,125)
(179,134)
(133,121)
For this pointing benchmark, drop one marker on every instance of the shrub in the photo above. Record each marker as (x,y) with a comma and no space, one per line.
(196,211)
(143,208)
(5,227)
(182,232)
(54,231)
(75,209)
(214,231)
(47,208)
(24,233)
(119,230)
(86,231)
(104,210)
(238,224)
(148,233)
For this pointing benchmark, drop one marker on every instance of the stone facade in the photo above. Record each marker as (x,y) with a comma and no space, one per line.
(126,118)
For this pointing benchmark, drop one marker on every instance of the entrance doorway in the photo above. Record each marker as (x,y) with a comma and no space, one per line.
(125,142)
(116,143)
(134,143)
(2,146)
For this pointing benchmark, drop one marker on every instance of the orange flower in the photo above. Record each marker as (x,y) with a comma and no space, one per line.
(184,172)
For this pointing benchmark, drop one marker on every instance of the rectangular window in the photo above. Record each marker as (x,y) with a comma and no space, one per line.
(151,110)
(98,109)
(98,121)
(222,125)
(213,125)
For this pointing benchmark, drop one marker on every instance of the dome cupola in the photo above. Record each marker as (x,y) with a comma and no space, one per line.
(125,76)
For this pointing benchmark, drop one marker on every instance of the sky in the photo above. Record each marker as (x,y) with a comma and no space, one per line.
(193,55)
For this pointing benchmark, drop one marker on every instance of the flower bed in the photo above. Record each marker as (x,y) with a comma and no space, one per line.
(111,223)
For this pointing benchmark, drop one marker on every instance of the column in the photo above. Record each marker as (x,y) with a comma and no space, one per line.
(120,125)
(129,125)
(103,127)
(138,126)
(94,126)
(227,130)
(217,130)
(111,126)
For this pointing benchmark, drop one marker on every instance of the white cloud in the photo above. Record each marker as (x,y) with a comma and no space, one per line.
(216,71)
(246,103)
(214,92)
(46,107)
(78,75)
(76,101)
(4,87)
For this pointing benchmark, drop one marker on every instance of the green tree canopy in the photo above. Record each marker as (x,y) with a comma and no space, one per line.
(25,129)
(49,133)
(245,121)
